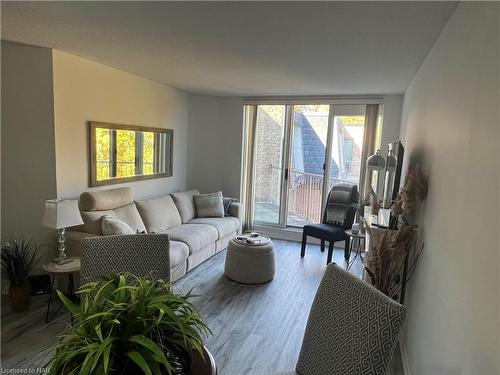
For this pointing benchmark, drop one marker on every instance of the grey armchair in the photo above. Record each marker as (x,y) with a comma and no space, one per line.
(140,254)
(352,328)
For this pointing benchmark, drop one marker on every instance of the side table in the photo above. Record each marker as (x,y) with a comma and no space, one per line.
(358,249)
(54,270)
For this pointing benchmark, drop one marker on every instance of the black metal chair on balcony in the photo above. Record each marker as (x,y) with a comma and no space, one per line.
(337,218)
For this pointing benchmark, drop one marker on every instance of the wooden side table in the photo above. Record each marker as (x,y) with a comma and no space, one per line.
(54,270)
(359,249)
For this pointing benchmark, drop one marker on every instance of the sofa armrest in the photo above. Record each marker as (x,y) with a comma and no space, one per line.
(74,241)
(236,210)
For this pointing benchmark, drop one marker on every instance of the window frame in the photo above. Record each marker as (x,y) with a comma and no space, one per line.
(94,182)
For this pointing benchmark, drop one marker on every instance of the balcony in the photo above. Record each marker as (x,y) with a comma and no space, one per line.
(304,200)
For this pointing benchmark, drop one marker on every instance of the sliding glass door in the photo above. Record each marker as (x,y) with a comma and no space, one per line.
(308,148)
(299,152)
(268,163)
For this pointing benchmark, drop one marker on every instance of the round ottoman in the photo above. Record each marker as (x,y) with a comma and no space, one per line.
(250,263)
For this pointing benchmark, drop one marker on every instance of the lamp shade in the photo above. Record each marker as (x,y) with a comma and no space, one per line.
(375,162)
(61,213)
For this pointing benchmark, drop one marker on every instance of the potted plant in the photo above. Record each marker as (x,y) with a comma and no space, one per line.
(19,257)
(130,325)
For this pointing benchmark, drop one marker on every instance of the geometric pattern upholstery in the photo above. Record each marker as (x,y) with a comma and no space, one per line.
(140,254)
(352,328)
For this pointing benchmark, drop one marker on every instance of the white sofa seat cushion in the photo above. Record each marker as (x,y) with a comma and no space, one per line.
(224,225)
(179,252)
(196,236)
(159,214)
(185,204)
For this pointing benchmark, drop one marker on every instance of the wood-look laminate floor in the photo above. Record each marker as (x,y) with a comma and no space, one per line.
(256,329)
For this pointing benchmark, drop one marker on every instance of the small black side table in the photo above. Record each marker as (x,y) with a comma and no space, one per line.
(54,270)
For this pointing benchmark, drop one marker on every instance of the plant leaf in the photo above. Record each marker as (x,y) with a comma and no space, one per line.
(139,360)
(151,346)
(73,309)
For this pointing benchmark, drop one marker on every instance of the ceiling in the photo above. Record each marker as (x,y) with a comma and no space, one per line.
(242,48)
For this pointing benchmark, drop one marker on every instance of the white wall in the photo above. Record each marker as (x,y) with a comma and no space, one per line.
(28,149)
(215,144)
(86,91)
(392,120)
(451,126)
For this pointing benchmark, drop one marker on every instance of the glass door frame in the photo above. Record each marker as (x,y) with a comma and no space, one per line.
(249,149)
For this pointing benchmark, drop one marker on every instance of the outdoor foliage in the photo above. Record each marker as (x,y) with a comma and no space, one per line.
(127,325)
(125,153)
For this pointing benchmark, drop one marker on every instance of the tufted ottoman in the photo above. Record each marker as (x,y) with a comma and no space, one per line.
(250,263)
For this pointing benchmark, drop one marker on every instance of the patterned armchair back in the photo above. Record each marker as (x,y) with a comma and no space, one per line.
(352,328)
(140,254)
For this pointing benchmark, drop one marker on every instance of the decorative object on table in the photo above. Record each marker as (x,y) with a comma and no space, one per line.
(356,228)
(60,214)
(414,191)
(69,268)
(361,208)
(337,218)
(349,320)
(131,325)
(394,165)
(19,257)
(250,259)
(392,258)
(375,202)
(375,164)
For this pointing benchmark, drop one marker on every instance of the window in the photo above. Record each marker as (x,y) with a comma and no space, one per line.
(297,152)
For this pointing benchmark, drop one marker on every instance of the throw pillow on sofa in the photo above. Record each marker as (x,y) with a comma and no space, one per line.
(209,205)
(111,225)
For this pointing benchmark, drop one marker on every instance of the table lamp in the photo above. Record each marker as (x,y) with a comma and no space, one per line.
(60,214)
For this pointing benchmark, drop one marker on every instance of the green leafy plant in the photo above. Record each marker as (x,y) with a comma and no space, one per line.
(19,257)
(128,325)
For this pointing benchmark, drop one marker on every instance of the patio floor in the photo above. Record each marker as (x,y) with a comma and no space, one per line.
(268,213)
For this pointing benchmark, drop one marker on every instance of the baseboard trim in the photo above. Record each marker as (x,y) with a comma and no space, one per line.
(404,355)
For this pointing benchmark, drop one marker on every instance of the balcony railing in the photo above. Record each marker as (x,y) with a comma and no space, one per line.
(305,194)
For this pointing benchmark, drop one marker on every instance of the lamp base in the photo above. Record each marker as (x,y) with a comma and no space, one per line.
(64,261)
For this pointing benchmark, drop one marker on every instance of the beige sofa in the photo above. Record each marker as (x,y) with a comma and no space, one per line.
(192,240)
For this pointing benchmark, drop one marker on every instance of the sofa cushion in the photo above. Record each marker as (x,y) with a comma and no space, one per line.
(196,236)
(179,252)
(209,205)
(130,215)
(92,221)
(185,204)
(159,214)
(111,225)
(99,200)
(224,225)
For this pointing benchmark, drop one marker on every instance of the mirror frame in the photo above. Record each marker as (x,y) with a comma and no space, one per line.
(93,182)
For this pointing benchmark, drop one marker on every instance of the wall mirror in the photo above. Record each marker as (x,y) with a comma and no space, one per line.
(124,153)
